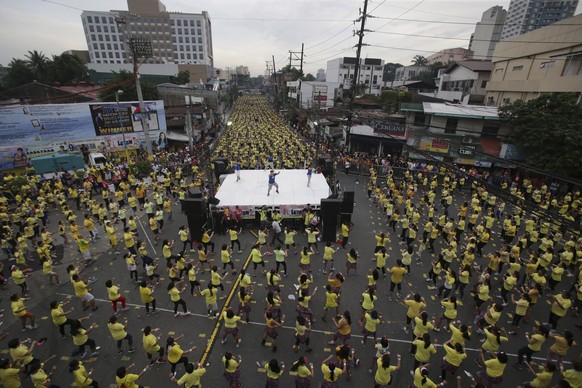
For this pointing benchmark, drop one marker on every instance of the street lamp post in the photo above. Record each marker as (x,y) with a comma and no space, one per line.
(117,93)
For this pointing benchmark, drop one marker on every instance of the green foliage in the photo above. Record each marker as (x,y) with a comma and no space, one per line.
(18,74)
(549,130)
(426,76)
(419,60)
(142,168)
(123,80)
(390,71)
(182,78)
(309,77)
(64,69)
(391,99)
(295,73)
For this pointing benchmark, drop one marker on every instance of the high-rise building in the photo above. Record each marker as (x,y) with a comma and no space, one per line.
(487,33)
(320,75)
(175,37)
(528,15)
(449,55)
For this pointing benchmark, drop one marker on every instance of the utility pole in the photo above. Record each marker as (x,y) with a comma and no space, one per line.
(189,123)
(297,56)
(301,66)
(356,71)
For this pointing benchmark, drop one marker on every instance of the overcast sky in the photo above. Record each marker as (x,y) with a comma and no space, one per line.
(249,32)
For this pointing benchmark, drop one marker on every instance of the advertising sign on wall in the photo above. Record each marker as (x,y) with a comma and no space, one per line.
(434,144)
(27,131)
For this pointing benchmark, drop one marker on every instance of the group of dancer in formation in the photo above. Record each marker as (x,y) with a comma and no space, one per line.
(465,242)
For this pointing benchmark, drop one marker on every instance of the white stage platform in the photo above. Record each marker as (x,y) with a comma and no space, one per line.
(250,193)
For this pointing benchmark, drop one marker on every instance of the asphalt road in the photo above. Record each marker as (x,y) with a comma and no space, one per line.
(198,329)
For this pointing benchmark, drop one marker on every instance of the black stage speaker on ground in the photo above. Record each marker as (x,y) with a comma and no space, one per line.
(326,165)
(330,207)
(194,193)
(348,201)
(195,209)
(330,210)
(346,218)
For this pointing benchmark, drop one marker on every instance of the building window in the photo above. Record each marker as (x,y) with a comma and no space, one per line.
(116,55)
(419,119)
(200,56)
(200,48)
(95,46)
(105,29)
(187,39)
(103,20)
(97,54)
(506,101)
(198,23)
(199,31)
(89,19)
(191,23)
(517,68)
(451,126)
(573,65)
(192,31)
(490,101)
(102,45)
(199,39)
(499,70)
(115,46)
(483,84)
(179,23)
(107,38)
(182,56)
(194,56)
(490,129)
(108,46)
(98,28)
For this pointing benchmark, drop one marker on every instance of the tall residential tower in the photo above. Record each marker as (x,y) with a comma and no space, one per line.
(528,15)
(487,33)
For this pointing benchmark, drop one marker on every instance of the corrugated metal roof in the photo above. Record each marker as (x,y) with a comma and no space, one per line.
(458,110)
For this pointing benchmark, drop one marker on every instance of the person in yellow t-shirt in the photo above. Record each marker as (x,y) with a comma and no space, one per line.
(128,380)
(384,371)
(494,368)
(151,346)
(192,377)
(397,273)
(119,333)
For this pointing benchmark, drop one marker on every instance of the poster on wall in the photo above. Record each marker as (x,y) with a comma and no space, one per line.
(433,144)
(28,131)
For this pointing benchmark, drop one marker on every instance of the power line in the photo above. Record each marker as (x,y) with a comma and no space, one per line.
(467,23)
(453,38)
(349,37)
(331,56)
(328,39)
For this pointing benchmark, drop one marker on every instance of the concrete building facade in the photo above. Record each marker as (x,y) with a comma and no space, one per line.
(487,33)
(341,71)
(406,73)
(527,15)
(464,82)
(320,75)
(449,55)
(547,60)
(177,38)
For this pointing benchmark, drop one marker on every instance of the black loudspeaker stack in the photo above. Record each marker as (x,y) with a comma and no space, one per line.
(220,167)
(330,212)
(195,210)
(348,202)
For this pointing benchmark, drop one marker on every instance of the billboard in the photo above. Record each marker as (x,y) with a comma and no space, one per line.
(28,131)
(434,144)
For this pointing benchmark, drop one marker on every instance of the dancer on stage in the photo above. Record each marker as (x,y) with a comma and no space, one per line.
(272,182)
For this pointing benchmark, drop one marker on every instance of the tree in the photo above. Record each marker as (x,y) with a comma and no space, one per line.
(549,131)
(309,77)
(390,71)
(18,74)
(426,76)
(419,60)
(295,73)
(391,99)
(38,64)
(182,78)
(66,69)
(124,80)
